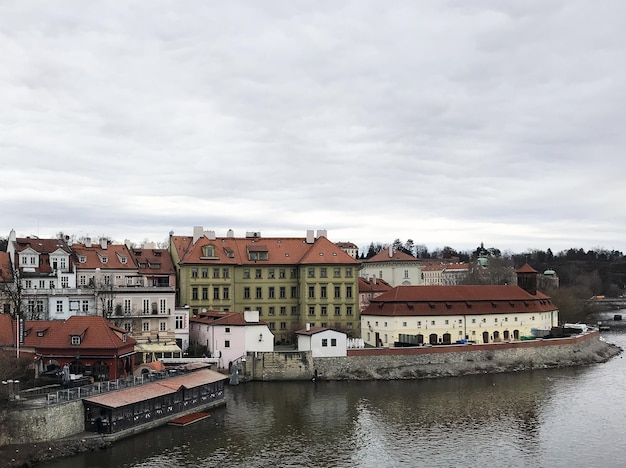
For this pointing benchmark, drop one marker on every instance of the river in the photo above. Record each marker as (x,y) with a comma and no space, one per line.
(573,417)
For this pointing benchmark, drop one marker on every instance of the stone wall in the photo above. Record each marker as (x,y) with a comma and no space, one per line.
(23,425)
(430,362)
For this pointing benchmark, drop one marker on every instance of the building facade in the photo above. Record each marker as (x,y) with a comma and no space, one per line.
(394,266)
(290,281)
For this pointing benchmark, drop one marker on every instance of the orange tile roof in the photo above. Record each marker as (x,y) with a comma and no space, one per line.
(458,300)
(281,251)
(94,257)
(153,261)
(225,319)
(156,389)
(526,268)
(44,247)
(311,331)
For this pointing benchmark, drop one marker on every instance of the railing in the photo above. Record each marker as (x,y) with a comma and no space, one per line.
(98,388)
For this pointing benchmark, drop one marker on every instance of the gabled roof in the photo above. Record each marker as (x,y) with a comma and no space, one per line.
(95,333)
(526,268)
(41,246)
(110,258)
(396,256)
(280,251)
(458,300)
(311,331)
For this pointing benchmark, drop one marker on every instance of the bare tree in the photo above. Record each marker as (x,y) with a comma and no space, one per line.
(14,291)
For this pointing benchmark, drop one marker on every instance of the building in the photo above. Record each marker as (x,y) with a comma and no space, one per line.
(394,266)
(229,336)
(89,346)
(45,279)
(6,283)
(290,281)
(369,288)
(349,248)
(415,315)
(322,342)
(455,273)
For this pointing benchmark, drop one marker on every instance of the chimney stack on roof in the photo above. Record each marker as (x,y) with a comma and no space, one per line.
(308,327)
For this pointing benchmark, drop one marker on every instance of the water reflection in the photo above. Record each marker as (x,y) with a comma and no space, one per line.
(518,419)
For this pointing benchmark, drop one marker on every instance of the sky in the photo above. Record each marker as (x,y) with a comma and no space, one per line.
(450,123)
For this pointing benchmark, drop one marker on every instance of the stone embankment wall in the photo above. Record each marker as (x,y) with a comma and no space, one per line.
(431,362)
(26,425)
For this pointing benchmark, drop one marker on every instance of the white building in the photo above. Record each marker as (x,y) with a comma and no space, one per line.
(394,266)
(229,336)
(322,342)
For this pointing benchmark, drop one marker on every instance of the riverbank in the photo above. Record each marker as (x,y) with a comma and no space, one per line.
(30,455)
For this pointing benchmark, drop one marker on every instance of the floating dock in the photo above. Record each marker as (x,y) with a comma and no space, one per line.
(188,419)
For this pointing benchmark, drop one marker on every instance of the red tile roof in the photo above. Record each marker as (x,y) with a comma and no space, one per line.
(44,247)
(396,256)
(153,261)
(95,332)
(156,389)
(372,286)
(311,331)
(457,300)
(226,319)
(110,258)
(6,270)
(526,268)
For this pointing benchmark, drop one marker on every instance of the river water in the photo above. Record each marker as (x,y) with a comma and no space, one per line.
(573,417)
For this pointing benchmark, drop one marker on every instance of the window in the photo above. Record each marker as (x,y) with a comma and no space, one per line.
(225,273)
(194,272)
(348,291)
(281,273)
(337,292)
(246,292)
(205,272)
(337,273)
(85,306)
(311,310)
(324,342)
(205,293)
(349,310)
(28,284)
(283,325)
(127,305)
(82,280)
(447,321)
(337,310)
(432,322)
(380,274)
(323,292)
(227,344)
(323,273)
(75,340)
(51,284)
(216,293)
(226,329)
(349,273)
(146,306)
(59,307)
(311,292)
(208,251)
(271,325)
(259,294)
(216,272)
(283,310)
(272,311)
(225,292)
(257,274)
(65,281)
(294,292)
(282,292)
(324,310)
(145,326)
(333,341)
(246,273)
(293,273)
(162,326)
(271,292)
(311,272)
(194,293)
(419,323)
(179,322)
(406,273)
(270,273)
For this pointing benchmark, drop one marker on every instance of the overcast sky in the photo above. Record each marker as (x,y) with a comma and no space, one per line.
(446,122)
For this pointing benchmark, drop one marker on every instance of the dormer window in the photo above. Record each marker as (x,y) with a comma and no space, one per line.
(257,252)
(82,259)
(124,260)
(75,340)
(104,259)
(40,333)
(208,251)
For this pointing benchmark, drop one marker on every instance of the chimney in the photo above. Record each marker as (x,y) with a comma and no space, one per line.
(322,233)
(230,234)
(308,327)
(88,242)
(198,232)
(390,251)
(310,236)
(103,243)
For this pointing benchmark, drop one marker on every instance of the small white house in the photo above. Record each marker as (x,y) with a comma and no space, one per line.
(229,336)
(322,342)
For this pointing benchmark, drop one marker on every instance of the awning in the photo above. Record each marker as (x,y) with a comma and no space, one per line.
(157,348)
